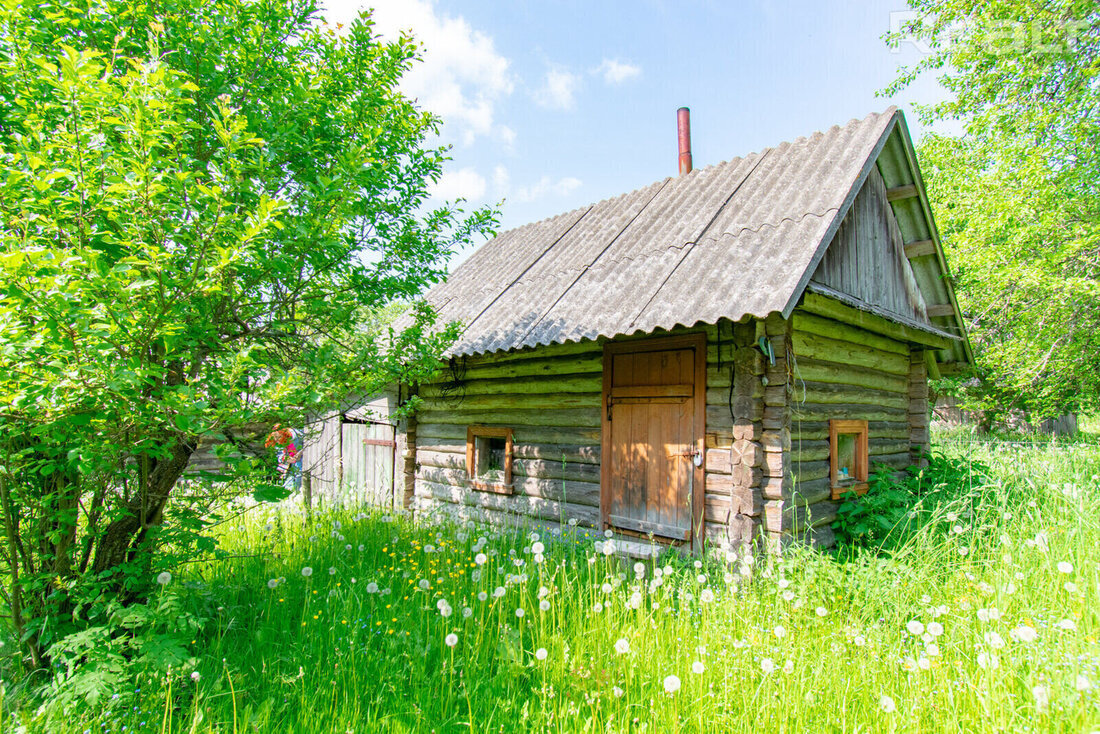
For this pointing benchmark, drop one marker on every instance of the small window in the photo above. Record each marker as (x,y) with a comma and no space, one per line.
(848,457)
(489,458)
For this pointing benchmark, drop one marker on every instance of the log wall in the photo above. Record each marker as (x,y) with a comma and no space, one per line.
(842,371)
(551,398)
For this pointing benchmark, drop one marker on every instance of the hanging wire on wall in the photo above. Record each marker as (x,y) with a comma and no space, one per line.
(453,389)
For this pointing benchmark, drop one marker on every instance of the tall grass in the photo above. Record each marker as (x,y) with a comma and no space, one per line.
(983,619)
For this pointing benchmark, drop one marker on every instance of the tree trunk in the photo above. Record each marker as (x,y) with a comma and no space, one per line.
(122,540)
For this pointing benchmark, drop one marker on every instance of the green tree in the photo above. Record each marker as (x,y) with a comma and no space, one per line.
(204,208)
(1017,195)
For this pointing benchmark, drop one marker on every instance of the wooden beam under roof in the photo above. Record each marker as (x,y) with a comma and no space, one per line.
(940,309)
(920,248)
(907,191)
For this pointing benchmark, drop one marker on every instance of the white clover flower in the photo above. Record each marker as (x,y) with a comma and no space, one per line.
(914,627)
(767,665)
(307,572)
(1065,567)
(451,639)
(163,578)
(887,704)
(622,647)
(541,653)
(672,684)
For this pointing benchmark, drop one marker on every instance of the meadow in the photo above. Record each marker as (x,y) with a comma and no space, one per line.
(975,616)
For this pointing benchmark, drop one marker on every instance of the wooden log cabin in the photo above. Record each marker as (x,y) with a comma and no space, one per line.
(718,357)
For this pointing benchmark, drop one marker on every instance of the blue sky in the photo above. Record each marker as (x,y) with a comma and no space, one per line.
(553,105)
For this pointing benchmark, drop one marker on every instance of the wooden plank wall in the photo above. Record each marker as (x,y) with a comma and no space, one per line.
(842,371)
(866,258)
(550,397)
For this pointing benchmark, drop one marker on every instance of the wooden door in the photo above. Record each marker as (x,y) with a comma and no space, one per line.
(654,421)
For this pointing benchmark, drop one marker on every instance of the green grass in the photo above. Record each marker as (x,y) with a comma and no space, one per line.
(328,653)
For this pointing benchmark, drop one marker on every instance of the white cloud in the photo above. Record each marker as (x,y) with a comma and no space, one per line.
(461,76)
(545,186)
(614,71)
(501,180)
(507,136)
(465,183)
(558,89)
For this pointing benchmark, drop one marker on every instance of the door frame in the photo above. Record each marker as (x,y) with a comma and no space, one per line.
(698,342)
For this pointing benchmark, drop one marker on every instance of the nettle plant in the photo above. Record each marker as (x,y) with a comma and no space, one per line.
(207,215)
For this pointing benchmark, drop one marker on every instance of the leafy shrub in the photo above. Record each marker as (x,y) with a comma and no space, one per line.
(896,506)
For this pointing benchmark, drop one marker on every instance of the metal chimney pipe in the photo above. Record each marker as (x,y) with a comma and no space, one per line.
(683,133)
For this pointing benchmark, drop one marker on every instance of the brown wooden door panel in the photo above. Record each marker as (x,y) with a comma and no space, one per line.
(653,426)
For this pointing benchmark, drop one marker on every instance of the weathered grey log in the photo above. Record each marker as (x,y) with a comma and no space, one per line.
(516,503)
(747,476)
(818,411)
(534,385)
(823,393)
(813,324)
(748,430)
(745,452)
(823,348)
(718,461)
(815,370)
(819,429)
(575,417)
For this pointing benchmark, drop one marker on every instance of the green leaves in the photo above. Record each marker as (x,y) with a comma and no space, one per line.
(205,229)
(1017,196)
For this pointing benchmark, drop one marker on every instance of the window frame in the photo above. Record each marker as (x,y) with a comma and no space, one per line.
(858,483)
(473,433)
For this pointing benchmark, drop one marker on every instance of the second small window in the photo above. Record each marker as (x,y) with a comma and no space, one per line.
(848,457)
(489,458)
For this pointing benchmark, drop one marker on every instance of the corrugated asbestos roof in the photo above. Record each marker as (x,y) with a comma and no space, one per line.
(735,239)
